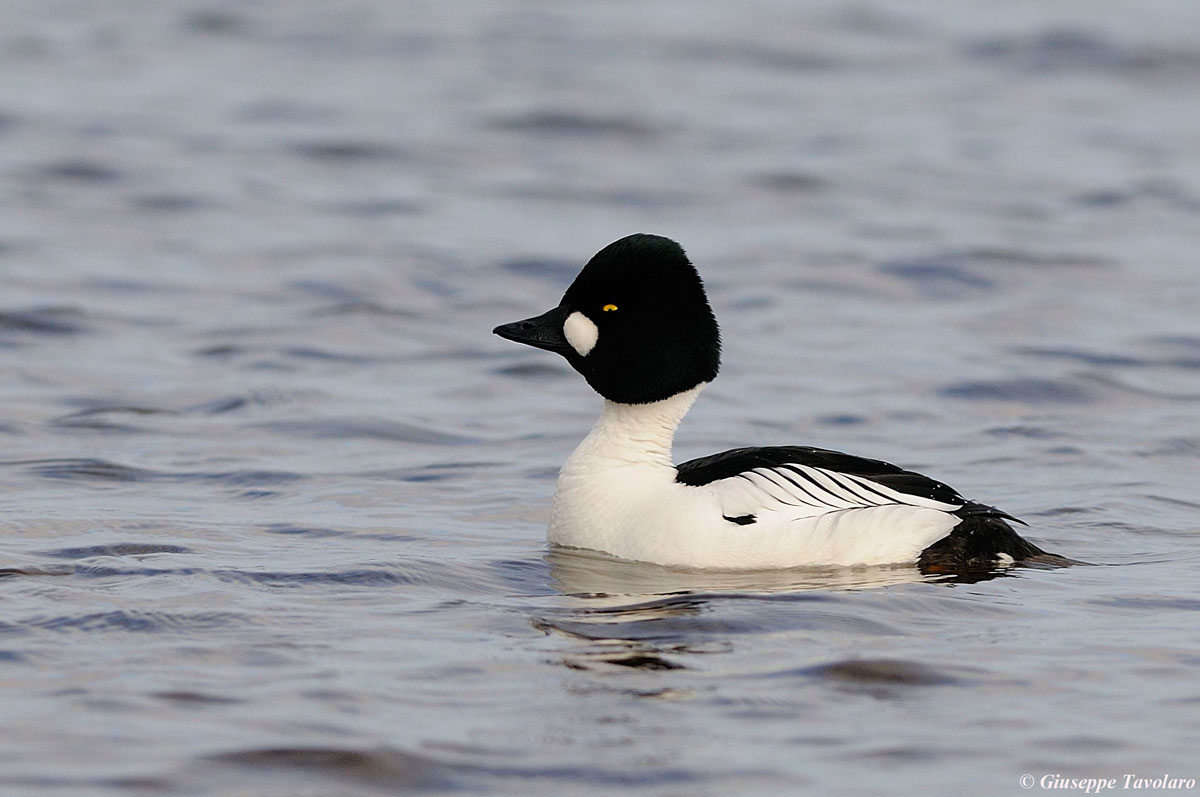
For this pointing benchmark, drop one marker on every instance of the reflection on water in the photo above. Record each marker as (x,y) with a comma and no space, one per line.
(639,615)
(274,499)
(597,578)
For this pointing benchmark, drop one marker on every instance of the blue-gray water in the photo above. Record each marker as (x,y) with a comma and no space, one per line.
(273,498)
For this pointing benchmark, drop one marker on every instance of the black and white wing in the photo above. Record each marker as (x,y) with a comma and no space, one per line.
(805,482)
(842,500)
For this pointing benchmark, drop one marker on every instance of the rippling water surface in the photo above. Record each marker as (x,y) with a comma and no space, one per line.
(273,498)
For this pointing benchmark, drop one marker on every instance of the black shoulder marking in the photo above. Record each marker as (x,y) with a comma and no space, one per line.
(741,520)
(974,544)
(705,470)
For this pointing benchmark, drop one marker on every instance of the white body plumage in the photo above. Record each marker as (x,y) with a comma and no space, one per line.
(618,493)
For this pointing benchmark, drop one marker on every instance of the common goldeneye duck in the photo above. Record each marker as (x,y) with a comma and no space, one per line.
(637,325)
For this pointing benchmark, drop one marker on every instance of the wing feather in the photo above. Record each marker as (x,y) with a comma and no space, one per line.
(789,486)
(811,481)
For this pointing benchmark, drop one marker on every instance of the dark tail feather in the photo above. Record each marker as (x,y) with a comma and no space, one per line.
(977,543)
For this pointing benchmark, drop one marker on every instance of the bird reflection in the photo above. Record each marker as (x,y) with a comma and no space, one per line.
(643,616)
(600,579)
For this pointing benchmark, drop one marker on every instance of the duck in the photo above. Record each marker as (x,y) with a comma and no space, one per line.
(637,325)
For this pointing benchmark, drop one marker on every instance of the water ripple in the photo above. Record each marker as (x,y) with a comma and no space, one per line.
(368,428)
(79,170)
(103,470)
(43,320)
(362,577)
(142,621)
(870,673)
(83,468)
(1027,391)
(690,617)
(115,549)
(1076,50)
(395,771)
(344,151)
(570,123)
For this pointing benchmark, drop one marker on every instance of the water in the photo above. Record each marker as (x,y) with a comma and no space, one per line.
(274,499)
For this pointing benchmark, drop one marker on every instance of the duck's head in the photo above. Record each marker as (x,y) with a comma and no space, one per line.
(635,322)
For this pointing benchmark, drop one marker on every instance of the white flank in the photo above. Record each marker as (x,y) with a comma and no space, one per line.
(581,333)
(617,493)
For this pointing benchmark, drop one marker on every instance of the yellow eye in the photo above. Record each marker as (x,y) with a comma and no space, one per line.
(608,308)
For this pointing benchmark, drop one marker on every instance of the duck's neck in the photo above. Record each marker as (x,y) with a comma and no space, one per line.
(639,433)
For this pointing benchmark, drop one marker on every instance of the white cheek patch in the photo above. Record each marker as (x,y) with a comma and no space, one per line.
(581,333)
